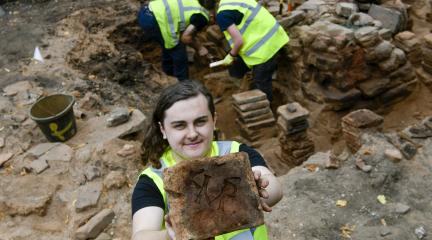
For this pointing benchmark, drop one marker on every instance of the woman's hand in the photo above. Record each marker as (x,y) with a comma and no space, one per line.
(168,226)
(262,183)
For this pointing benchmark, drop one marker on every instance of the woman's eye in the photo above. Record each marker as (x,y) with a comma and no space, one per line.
(201,122)
(179,126)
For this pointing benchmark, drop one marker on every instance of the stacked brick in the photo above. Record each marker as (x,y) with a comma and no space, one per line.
(408,42)
(295,144)
(358,122)
(255,118)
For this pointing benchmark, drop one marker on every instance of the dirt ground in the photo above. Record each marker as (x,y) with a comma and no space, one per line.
(96,46)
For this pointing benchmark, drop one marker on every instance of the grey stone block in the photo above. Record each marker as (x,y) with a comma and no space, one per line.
(346,9)
(390,18)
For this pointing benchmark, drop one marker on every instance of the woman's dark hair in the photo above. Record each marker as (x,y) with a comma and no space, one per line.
(207,4)
(154,145)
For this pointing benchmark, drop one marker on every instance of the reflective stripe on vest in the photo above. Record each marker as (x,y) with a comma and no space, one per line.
(176,19)
(262,35)
(219,148)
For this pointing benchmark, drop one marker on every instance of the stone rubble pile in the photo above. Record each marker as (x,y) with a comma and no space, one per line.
(357,123)
(255,118)
(345,57)
(296,146)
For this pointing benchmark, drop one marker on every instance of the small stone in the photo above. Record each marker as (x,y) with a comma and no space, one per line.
(401,208)
(363,118)
(127,150)
(4,157)
(115,179)
(15,88)
(360,163)
(60,152)
(118,116)
(95,225)
(332,162)
(346,9)
(2,142)
(420,232)
(393,154)
(385,231)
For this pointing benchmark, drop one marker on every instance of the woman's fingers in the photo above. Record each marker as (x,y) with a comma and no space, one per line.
(265,207)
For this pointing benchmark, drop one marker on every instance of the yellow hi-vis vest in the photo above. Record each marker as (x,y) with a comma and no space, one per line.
(173,16)
(219,148)
(262,35)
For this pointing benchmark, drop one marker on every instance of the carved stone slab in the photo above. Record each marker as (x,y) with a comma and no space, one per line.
(211,196)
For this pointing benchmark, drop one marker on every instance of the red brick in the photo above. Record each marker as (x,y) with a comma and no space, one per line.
(211,196)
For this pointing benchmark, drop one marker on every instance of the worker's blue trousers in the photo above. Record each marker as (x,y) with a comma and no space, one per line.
(174,60)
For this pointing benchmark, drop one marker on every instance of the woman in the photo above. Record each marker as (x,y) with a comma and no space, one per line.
(182,128)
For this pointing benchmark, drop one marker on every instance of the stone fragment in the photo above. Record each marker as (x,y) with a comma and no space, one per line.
(4,157)
(90,101)
(17,87)
(346,9)
(374,86)
(88,196)
(41,148)
(385,34)
(332,162)
(363,118)
(249,97)
(211,196)
(418,131)
(311,5)
(114,179)
(401,208)
(294,18)
(2,142)
(338,100)
(49,226)
(393,154)
(391,19)
(381,51)
(428,40)
(385,231)
(334,30)
(60,152)
(39,165)
(253,105)
(95,132)
(290,116)
(118,116)
(95,225)
(360,20)
(420,232)
(360,163)
(367,36)
(127,150)
(364,7)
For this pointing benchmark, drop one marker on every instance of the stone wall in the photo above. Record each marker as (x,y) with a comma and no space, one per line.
(341,57)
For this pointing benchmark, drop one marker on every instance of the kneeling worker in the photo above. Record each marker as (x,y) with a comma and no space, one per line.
(255,37)
(174,23)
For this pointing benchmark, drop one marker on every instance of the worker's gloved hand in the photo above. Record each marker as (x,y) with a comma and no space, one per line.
(228,60)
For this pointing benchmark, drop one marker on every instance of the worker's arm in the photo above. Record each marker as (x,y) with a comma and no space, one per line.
(147,224)
(236,38)
(269,187)
(187,38)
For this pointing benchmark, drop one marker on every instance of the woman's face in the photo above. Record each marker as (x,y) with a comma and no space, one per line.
(188,126)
